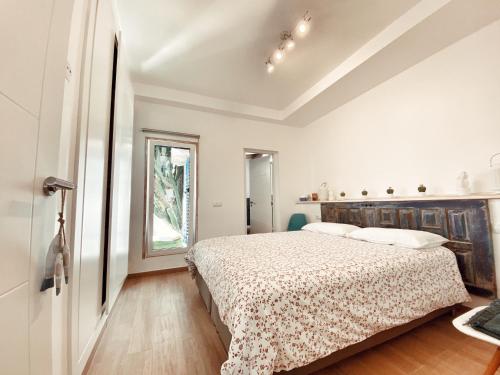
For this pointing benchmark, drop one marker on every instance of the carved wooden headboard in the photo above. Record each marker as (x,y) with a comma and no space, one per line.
(465,222)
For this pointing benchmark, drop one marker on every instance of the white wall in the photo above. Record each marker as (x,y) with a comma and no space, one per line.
(221,172)
(425,125)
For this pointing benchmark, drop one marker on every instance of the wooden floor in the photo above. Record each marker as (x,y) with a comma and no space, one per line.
(160,326)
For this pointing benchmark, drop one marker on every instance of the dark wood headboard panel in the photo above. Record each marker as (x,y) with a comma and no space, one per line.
(465,222)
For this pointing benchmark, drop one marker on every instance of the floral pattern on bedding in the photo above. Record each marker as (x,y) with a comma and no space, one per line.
(291,298)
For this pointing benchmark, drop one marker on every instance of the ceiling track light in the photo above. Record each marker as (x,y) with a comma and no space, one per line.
(288,42)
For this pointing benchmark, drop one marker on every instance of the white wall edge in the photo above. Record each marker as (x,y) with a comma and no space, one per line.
(146,91)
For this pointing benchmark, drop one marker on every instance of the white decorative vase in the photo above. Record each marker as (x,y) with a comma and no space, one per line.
(495,171)
(331,195)
(463,184)
(323,192)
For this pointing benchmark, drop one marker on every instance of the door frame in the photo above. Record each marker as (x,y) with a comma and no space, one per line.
(274,187)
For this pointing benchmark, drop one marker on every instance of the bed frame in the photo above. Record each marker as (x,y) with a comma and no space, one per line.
(465,222)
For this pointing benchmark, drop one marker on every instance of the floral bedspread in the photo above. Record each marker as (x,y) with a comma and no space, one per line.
(291,298)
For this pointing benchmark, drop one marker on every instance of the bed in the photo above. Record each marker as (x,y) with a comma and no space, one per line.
(299,301)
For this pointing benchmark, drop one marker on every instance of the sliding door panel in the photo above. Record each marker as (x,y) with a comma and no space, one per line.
(90,306)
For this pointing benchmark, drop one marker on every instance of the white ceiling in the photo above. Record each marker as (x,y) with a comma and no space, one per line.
(209,55)
(217,48)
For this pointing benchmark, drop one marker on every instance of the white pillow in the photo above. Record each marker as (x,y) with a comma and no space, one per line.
(330,228)
(413,239)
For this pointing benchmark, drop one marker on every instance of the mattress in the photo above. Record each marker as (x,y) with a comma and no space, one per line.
(291,298)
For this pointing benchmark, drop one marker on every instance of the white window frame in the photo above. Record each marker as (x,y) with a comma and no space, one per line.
(149,195)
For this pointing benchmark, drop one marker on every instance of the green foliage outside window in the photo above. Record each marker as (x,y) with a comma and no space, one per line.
(168,191)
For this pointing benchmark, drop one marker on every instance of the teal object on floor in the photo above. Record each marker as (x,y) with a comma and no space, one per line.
(297,221)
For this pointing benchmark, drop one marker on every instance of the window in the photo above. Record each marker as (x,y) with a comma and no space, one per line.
(170,196)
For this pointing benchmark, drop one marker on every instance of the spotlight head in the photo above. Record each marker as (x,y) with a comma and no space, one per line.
(279,55)
(269,66)
(303,25)
(302,28)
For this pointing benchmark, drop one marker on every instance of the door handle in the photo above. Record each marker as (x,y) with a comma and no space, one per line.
(51,185)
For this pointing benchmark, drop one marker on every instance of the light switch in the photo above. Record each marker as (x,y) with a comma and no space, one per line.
(69,72)
(217,204)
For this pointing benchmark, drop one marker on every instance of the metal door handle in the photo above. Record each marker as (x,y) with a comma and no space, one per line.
(51,185)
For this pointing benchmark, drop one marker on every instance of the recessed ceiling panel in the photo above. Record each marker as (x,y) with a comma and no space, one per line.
(218,48)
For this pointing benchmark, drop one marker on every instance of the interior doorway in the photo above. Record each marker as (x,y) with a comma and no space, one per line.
(259,191)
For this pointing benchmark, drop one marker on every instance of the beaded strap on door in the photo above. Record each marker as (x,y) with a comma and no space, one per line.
(58,256)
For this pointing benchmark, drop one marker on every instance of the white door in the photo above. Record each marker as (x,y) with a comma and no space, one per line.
(261,190)
(33,41)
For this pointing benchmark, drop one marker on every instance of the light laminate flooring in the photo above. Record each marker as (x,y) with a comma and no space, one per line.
(160,326)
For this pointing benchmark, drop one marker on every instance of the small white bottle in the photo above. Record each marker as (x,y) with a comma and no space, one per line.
(331,195)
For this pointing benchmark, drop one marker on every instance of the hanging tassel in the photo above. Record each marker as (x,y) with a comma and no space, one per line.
(66,255)
(50,263)
(58,257)
(58,272)
(65,247)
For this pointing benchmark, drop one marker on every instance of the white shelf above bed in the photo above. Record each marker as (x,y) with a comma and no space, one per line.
(494,195)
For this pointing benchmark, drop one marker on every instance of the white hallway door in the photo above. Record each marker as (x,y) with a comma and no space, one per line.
(34,43)
(261,209)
